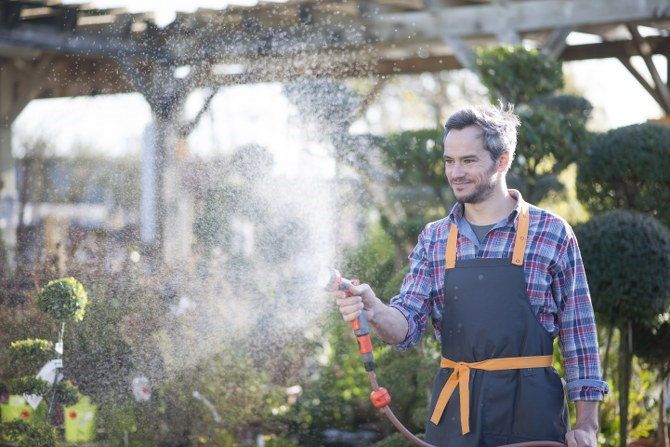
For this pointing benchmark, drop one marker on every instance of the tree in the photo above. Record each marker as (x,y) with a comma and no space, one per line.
(553,134)
(628,168)
(627,261)
(64,300)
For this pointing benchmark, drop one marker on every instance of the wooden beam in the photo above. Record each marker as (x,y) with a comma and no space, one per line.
(525,16)
(556,43)
(43,39)
(615,49)
(646,53)
(643,82)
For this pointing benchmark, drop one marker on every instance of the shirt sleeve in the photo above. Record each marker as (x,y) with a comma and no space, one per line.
(577,329)
(414,300)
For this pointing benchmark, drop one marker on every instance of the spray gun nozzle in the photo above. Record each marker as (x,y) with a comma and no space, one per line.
(333,281)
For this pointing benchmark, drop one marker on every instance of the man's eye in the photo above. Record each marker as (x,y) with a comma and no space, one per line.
(449,162)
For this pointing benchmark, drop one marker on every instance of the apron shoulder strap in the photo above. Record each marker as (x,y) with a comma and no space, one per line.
(521,235)
(450,256)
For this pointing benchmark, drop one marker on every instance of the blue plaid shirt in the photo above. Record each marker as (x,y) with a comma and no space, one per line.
(555,280)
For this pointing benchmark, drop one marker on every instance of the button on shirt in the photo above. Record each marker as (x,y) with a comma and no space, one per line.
(555,281)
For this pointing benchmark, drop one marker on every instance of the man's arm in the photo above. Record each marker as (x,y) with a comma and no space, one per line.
(579,343)
(403,321)
(585,432)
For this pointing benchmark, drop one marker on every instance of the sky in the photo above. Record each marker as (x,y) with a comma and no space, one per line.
(260,114)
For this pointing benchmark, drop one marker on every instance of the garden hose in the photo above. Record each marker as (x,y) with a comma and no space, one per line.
(380,396)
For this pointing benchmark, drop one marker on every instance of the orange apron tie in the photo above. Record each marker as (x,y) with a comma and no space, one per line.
(461,377)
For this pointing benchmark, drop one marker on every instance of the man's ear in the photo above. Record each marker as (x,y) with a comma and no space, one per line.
(503,162)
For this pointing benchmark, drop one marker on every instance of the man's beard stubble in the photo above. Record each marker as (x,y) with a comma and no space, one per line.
(484,189)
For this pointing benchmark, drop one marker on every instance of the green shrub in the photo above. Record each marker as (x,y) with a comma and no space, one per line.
(627,261)
(29,435)
(28,355)
(29,385)
(628,168)
(66,393)
(517,74)
(64,299)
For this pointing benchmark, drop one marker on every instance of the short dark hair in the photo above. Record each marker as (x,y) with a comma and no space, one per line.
(498,125)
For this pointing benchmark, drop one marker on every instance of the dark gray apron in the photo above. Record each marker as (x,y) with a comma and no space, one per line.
(487,314)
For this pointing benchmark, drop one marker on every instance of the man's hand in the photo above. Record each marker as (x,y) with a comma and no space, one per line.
(582,438)
(363,299)
(389,324)
(586,428)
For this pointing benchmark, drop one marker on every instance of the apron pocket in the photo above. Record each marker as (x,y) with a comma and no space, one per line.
(498,402)
(540,410)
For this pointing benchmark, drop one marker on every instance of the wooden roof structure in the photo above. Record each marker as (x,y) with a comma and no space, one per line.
(89,50)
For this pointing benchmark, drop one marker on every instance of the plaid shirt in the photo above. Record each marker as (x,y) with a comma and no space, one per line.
(555,280)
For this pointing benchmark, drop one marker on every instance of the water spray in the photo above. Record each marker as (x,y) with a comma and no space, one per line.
(380,397)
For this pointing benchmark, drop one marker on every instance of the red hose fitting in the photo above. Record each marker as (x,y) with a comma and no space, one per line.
(380,398)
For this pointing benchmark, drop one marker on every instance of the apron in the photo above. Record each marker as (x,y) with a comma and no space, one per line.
(496,354)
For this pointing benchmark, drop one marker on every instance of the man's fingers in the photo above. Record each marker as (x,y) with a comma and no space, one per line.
(354,308)
(360,290)
(348,301)
(570,439)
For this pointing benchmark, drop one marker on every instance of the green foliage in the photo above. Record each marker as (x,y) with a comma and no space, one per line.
(29,385)
(372,261)
(627,260)
(628,168)
(517,74)
(417,191)
(66,393)
(415,157)
(553,131)
(29,435)
(29,354)
(64,299)
(653,346)
(549,140)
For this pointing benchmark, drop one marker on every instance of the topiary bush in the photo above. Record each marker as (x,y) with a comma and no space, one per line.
(64,299)
(517,74)
(628,168)
(29,385)
(553,132)
(29,354)
(627,260)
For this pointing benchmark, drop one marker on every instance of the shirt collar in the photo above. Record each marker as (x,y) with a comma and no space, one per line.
(457,212)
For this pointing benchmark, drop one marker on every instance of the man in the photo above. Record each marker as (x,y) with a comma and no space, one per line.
(500,280)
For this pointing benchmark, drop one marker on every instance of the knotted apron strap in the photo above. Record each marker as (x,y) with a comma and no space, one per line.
(461,377)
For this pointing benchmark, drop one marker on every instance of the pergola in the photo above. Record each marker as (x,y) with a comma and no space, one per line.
(49,49)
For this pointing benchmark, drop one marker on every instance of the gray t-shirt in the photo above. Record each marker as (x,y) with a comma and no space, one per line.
(480,230)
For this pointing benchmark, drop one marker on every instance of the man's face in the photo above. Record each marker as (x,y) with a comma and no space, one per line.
(470,170)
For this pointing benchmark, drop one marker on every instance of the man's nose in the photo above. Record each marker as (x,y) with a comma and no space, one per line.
(457,170)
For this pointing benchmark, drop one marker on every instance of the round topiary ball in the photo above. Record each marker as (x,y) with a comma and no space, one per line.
(627,261)
(64,299)
(628,168)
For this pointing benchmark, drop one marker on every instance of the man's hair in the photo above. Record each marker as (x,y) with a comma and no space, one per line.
(498,125)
